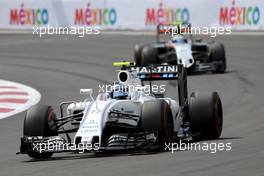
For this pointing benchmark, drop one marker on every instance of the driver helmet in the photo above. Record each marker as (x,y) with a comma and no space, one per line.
(119,91)
(179,39)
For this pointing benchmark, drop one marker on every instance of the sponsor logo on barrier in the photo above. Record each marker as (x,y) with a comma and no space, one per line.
(164,15)
(238,15)
(96,16)
(29,16)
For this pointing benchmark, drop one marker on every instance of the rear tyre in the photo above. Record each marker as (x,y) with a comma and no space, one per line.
(218,54)
(40,121)
(156,116)
(206,115)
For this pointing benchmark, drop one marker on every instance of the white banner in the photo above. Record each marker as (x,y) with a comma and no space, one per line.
(132,14)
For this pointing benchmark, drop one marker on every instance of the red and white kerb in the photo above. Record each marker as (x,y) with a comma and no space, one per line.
(15,98)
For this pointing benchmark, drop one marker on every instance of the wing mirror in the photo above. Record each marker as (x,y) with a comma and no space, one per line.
(87,92)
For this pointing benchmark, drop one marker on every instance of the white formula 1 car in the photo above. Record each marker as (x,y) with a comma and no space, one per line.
(195,55)
(127,117)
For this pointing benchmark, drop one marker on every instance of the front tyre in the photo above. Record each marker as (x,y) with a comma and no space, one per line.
(40,120)
(138,54)
(218,54)
(145,55)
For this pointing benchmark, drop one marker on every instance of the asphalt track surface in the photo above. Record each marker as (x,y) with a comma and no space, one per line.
(59,66)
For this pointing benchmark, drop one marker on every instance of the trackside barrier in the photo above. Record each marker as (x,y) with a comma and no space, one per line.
(131,14)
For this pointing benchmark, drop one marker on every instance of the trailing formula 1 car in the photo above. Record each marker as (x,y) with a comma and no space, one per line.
(128,116)
(181,48)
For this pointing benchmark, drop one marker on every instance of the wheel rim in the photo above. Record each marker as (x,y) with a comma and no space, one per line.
(168,125)
(218,117)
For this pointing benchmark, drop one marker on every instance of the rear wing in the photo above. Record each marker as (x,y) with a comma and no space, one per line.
(172,29)
(152,72)
(161,72)
(167,72)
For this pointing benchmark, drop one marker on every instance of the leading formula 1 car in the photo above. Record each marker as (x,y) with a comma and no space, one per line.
(195,54)
(125,117)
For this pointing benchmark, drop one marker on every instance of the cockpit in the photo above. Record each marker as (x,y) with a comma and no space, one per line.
(179,39)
